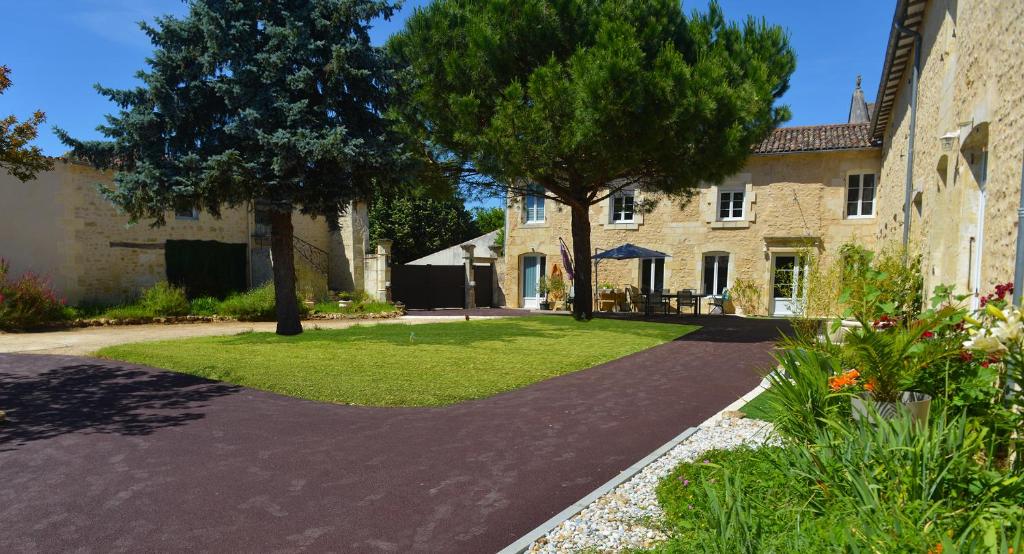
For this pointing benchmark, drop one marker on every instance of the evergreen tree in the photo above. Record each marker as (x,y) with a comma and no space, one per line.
(586,97)
(276,103)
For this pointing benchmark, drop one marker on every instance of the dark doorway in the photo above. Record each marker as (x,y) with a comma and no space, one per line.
(206,267)
(484,277)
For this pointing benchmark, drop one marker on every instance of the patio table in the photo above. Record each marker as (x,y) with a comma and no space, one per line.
(666,302)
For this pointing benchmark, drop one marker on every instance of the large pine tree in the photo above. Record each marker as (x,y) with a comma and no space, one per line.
(277,103)
(586,97)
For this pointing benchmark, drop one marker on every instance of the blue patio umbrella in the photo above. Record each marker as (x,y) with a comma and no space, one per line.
(624,252)
(628,251)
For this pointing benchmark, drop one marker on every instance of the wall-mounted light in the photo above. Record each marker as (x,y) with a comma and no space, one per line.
(948,139)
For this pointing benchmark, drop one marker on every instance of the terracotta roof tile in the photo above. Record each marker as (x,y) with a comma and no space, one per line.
(840,136)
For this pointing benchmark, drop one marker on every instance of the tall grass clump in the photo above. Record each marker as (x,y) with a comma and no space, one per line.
(165,299)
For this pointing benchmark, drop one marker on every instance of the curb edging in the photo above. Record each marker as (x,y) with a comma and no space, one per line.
(523,543)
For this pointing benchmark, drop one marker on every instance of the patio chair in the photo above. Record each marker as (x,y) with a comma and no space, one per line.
(635,301)
(686,298)
(655,300)
(718,302)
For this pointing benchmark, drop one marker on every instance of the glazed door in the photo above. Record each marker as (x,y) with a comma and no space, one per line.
(788,274)
(532,270)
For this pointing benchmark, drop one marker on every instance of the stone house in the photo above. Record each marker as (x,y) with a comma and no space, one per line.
(756,225)
(965,171)
(59,226)
(817,188)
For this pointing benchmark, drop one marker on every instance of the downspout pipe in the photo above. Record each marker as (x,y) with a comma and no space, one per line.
(909,186)
(1018,270)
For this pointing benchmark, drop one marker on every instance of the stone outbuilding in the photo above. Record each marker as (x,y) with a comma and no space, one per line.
(59,226)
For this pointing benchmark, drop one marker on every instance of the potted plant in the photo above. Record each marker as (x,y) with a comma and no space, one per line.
(542,290)
(557,289)
(889,356)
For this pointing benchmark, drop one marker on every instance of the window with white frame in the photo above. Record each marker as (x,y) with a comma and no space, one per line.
(623,206)
(860,195)
(187,214)
(716,273)
(730,204)
(535,204)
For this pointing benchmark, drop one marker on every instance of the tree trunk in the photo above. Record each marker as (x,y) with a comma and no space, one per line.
(582,304)
(282,250)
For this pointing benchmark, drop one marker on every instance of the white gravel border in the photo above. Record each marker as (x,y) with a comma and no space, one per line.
(624,512)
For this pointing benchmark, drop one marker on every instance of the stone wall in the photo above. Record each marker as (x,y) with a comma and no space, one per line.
(60,226)
(792,201)
(972,91)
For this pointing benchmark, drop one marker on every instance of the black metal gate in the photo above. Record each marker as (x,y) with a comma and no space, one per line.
(427,287)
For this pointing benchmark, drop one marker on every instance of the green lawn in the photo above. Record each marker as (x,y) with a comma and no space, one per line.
(405,365)
(758,408)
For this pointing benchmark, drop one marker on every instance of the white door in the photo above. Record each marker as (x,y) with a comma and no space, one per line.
(788,272)
(532,270)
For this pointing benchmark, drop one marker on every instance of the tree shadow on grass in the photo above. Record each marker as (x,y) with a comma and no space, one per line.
(99,398)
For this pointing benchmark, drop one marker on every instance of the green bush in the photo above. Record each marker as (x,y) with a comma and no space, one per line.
(128,311)
(204,306)
(28,302)
(890,486)
(875,286)
(164,299)
(254,305)
(951,483)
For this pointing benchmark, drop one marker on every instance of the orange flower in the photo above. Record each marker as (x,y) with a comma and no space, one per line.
(842,381)
(937,549)
(847,379)
(870,386)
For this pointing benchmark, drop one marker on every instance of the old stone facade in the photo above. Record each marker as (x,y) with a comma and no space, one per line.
(60,226)
(969,138)
(791,203)
(796,187)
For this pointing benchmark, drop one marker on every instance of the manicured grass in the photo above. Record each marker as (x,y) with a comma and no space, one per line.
(758,408)
(405,365)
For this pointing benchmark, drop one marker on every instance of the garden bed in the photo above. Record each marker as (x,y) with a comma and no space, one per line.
(630,516)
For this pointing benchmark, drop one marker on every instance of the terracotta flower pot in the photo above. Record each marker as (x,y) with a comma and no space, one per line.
(916,404)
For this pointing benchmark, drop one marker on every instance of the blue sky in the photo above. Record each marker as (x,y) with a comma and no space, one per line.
(57,49)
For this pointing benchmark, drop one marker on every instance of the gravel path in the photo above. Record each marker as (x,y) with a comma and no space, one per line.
(627,517)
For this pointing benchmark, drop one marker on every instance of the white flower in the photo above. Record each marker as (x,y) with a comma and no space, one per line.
(985,343)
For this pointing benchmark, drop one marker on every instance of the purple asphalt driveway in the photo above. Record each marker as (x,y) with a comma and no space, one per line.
(103,457)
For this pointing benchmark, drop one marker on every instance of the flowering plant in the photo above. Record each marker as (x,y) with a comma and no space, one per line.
(28,301)
(891,354)
(850,381)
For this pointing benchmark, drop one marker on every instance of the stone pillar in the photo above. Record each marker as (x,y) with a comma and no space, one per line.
(383,285)
(467,257)
(496,266)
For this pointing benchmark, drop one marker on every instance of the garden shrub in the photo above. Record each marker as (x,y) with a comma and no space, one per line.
(746,296)
(873,286)
(127,311)
(28,301)
(254,305)
(951,483)
(164,299)
(204,306)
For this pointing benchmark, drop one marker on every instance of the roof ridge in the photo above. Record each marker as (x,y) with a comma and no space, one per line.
(822,125)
